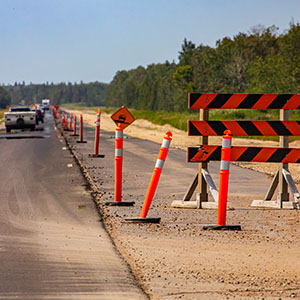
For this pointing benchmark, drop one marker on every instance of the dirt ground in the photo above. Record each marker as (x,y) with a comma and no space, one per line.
(176,259)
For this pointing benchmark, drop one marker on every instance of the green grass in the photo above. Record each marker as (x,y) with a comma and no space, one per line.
(179,120)
(2,111)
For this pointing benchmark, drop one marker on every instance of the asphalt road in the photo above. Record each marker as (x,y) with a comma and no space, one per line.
(52,243)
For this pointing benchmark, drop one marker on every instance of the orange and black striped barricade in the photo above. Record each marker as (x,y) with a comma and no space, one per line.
(81,131)
(223,186)
(97,137)
(154,182)
(245,154)
(282,128)
(122,119)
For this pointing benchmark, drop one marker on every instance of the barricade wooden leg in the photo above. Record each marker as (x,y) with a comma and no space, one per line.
(281,180)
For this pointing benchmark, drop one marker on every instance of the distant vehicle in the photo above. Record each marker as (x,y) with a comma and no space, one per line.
(46,103)
(41,107)
(39,116)
(20,118)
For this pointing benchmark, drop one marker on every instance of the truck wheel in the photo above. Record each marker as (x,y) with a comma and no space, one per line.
(32,128)
(8,129)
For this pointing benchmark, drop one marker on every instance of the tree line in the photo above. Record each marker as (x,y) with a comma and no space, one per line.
(260,61)
(4,98)
(91,94)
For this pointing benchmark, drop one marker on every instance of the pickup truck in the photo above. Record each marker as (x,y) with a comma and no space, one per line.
(20,118)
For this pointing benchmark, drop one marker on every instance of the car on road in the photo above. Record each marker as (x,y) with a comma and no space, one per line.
(39,116)
(46,103)
(20,118)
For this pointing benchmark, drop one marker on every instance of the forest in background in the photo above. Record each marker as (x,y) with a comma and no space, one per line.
(91,94)
(260,61)
(4,98)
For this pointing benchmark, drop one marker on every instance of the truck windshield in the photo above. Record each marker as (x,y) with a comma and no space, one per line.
(19,109)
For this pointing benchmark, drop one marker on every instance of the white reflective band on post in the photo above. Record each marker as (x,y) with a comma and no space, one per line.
(166,144)
(118,152)
(225,164)
(98,123)
(119,134)
(159,163)
(226,143)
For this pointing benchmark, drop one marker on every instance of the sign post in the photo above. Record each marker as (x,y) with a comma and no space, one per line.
(122,118)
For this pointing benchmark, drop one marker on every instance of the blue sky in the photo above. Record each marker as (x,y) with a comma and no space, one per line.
(90,40)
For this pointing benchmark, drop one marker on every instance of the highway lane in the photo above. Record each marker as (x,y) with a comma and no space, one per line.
(52,243)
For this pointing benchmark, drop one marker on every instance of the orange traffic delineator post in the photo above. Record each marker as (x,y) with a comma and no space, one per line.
(75,127)
(66,122)
(154,182)
(97,137)
(81,131)
(71,121)
(118,171)
(223,186)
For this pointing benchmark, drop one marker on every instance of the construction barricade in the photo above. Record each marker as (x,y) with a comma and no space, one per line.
(205,152)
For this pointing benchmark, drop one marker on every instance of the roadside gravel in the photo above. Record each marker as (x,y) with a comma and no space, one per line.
(176,259)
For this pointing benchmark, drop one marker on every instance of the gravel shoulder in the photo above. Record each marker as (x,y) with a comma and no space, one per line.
(176,259)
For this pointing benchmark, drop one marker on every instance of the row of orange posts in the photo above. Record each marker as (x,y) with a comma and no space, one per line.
(123,119)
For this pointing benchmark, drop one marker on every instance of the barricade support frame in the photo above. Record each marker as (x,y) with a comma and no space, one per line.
(282,179)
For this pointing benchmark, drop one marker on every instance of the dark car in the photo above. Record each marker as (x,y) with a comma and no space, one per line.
(39,116)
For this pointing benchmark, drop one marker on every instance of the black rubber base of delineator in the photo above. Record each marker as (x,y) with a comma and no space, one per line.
(94,155)
(81,142)
(121,203)
(74,134)
(222,227)
(144,220)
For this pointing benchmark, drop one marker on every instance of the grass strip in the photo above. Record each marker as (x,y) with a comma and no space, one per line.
(2,111)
